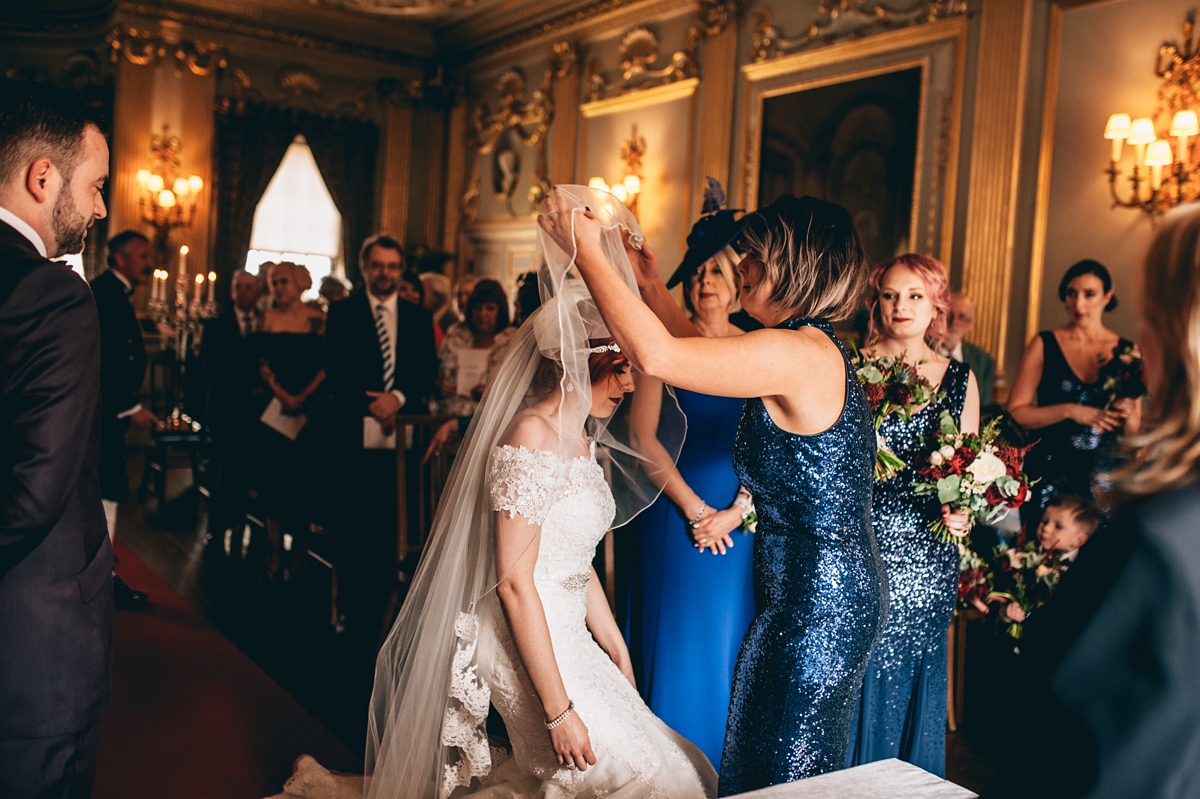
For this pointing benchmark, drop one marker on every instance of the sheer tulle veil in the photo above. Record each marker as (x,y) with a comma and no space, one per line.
(426,734)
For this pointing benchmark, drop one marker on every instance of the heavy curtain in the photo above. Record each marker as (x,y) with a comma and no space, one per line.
(250,144)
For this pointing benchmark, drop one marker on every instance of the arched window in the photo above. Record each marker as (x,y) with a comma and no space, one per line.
(296,219)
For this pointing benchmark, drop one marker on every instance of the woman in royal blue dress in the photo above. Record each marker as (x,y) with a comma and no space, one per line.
(902,708)
(687,668)
(805,450)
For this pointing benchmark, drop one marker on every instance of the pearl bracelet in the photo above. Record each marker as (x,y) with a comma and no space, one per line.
(561,717)
(695,521)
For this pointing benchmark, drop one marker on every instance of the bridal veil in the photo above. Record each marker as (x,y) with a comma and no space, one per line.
(426,735)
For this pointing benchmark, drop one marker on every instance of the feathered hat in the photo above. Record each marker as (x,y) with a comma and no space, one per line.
(714,230)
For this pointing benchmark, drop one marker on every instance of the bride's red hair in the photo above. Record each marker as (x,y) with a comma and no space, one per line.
(602,364)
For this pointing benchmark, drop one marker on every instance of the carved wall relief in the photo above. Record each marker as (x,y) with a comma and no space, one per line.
(840,20)
(639,52)
(145,48)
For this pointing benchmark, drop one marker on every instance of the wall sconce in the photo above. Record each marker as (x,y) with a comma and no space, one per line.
(629,187)
(1161,178)
(168,200)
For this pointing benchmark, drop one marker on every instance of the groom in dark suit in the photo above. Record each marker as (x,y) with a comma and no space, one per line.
(380,362)
(56,601)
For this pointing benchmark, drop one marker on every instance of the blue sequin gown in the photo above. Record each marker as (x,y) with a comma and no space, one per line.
(902,707)
(695,606)
(820,588)
(1068,456)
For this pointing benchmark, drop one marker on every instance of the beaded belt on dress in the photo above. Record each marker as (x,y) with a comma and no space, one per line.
(577,582)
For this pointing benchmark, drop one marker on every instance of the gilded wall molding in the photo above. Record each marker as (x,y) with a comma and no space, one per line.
(147,48)
(244,27)
(842,20)
(715,15)
(639,52)
(295,88)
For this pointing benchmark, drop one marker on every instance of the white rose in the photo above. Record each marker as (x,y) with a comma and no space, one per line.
(947,452)
(936,459)
(987,468)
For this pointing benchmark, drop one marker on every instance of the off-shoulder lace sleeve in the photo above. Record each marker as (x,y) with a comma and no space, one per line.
(524,481)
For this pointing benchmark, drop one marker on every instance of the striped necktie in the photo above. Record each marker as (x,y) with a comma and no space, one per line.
(385,346)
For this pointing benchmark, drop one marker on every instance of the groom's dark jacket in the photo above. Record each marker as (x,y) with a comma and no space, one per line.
(56,599)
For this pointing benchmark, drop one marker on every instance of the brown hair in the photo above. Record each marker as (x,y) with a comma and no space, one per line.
(1083,510)
(1167,454)
(601,365)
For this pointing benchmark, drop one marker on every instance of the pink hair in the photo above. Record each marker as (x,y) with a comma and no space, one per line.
(933,274)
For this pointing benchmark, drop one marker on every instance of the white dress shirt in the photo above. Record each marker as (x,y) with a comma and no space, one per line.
(22,227)
(389,324)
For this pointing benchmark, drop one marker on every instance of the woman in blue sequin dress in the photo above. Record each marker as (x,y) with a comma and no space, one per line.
(902,707)
(805,450)
(1059,395)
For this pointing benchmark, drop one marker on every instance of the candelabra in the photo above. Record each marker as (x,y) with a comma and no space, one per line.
(182,320)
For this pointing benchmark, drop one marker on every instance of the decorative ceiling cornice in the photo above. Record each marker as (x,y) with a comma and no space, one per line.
(241,26)
(25,19)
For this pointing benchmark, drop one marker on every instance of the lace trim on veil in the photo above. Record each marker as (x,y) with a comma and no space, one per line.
(463,727)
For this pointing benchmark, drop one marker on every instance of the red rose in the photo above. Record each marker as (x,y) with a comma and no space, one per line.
(993,496)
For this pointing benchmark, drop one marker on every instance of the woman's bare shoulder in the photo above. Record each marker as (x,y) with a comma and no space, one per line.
(532,430)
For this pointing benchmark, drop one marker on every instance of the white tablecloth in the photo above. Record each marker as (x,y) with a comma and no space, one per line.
(885,779)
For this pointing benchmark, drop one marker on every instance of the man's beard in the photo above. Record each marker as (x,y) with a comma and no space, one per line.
(69,227)
(383,289)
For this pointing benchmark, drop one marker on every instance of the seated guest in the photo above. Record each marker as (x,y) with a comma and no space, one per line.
(231,364)
(381,362)
(462,293)
(1114,652)
(958,326)
(291,352)
(122,370)
(467,351)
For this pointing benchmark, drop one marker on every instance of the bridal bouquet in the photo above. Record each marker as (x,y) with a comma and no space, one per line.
(976,474)
(1123,374)
(1026,575)
(892,386)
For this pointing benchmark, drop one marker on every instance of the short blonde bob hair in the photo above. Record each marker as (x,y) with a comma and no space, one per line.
(1167,453)
(811,253)
(727,261)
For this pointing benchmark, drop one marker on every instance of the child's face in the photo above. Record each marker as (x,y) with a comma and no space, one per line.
(1060,531)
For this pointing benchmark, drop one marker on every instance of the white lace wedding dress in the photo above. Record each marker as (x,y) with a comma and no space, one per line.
(637,755)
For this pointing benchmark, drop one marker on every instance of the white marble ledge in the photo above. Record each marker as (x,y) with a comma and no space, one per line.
(885,779)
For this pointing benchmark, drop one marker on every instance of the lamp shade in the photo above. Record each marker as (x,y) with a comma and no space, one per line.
(166,199)
(1142,131)
(1184,123)
(155,183)
(196,184)
(143,177)
(598,183)
(633,184)
(181,187)
(1118,127)
(618,191)
(1159,153)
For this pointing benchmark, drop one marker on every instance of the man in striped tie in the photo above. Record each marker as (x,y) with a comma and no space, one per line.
(381,361)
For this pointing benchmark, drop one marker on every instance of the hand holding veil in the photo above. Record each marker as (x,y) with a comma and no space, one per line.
(426,732)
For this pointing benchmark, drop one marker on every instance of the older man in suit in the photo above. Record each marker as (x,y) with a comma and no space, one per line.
(122,369)
(958,325)
(56,601)
(380,362)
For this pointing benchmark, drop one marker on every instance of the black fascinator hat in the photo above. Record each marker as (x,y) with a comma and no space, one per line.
(714,231)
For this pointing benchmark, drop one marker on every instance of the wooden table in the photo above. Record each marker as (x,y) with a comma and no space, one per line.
(885,779)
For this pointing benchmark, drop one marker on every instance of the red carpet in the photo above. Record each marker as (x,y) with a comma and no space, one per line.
(191,715)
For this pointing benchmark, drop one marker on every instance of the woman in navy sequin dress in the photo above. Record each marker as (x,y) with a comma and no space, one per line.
(805,450)
(1060,398)
(902,708)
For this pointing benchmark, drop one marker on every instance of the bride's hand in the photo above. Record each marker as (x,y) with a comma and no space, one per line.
(643,261)
(572,744)
(561,224)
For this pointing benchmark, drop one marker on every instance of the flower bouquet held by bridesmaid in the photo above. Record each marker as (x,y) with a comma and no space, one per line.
(892,386)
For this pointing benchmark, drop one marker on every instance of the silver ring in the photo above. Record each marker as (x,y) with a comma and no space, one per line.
(551,213)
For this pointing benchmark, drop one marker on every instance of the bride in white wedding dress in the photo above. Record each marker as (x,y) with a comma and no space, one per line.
(505,609)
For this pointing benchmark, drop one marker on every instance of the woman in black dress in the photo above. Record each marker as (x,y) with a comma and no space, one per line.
(1059,394)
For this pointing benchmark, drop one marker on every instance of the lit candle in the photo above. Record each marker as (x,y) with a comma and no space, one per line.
(156,286)
(199,283)
(212,285)
(183,252)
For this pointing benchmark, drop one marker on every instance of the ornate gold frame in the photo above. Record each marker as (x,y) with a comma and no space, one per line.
(839,63)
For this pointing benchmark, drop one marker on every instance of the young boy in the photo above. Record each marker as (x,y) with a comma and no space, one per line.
(1067,523)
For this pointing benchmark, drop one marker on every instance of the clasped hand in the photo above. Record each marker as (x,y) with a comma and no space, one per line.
(384,407)
(712,530)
